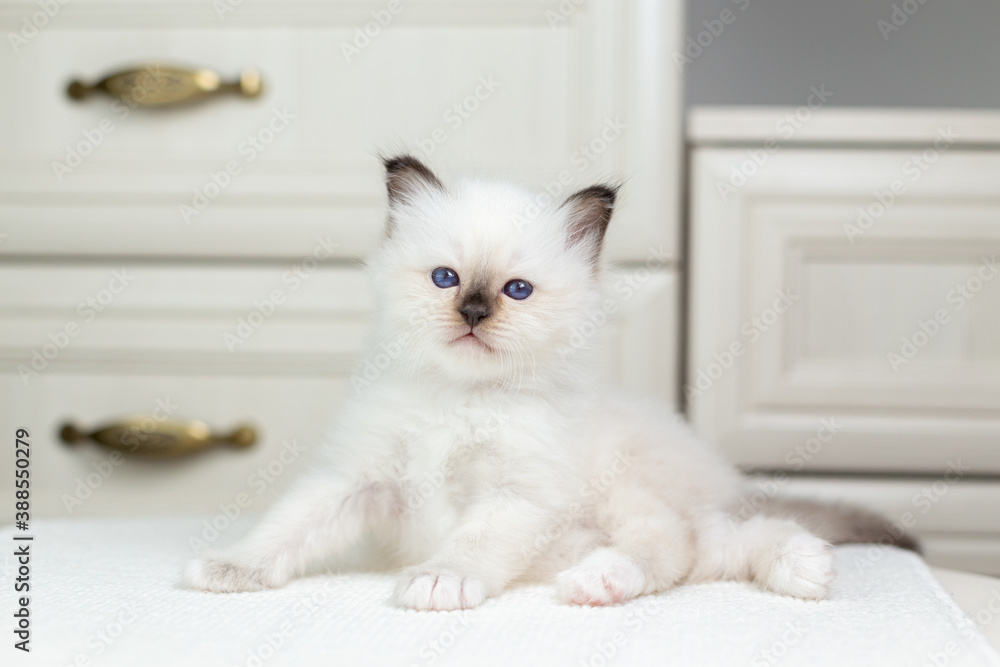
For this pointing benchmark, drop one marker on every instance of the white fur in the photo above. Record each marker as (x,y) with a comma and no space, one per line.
(476,467)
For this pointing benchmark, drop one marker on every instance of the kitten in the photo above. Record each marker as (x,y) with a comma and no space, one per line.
(488,453)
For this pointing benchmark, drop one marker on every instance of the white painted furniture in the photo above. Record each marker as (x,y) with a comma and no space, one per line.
(241,298)
(845,309)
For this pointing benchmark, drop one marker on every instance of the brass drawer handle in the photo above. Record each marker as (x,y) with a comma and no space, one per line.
(156,85)
(151,438)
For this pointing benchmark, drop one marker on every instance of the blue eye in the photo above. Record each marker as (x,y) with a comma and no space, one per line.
(518,289)
(444,277)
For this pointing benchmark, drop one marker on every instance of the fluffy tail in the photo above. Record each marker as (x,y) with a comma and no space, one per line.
(840,523)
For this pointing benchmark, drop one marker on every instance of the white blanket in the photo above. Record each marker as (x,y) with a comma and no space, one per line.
(106,592)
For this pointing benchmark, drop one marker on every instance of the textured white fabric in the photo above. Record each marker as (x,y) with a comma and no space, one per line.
(106,592)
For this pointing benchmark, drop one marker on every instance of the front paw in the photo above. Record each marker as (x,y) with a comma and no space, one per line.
(605,577)
(219,574)
(439,591)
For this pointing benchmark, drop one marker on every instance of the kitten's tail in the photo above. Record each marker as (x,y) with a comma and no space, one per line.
(840,523)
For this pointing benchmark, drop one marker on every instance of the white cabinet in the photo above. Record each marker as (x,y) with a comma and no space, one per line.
(845,296)
(255,308)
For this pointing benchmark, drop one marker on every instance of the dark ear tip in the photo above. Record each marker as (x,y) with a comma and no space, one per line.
(404,172)
(605,193)
(397,163)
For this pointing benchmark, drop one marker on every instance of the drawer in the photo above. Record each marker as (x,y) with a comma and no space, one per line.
(288,414)
(853,287)
(946,511)
(94,343)
(270,344)
(210,179)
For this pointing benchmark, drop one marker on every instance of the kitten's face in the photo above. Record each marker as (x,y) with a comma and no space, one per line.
(471,286)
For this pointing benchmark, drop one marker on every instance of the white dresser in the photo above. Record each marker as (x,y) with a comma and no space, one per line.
(163,265)
(844,310)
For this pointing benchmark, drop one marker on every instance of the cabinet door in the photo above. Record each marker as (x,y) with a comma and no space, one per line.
(555,95)
(846,309)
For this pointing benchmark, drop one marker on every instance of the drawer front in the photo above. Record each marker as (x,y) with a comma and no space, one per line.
(857,288)
(272,345)
(945,511)
(557,98)
(85,479)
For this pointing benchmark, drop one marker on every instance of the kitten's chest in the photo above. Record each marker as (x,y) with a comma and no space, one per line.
(451,456)
(454,435)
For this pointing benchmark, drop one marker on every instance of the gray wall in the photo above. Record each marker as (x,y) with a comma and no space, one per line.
(945,54)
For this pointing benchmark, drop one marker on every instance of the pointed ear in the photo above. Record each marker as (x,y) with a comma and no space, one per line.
(405,177)
(589,212)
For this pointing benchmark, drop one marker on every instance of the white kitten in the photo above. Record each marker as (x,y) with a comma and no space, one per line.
(488,454)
